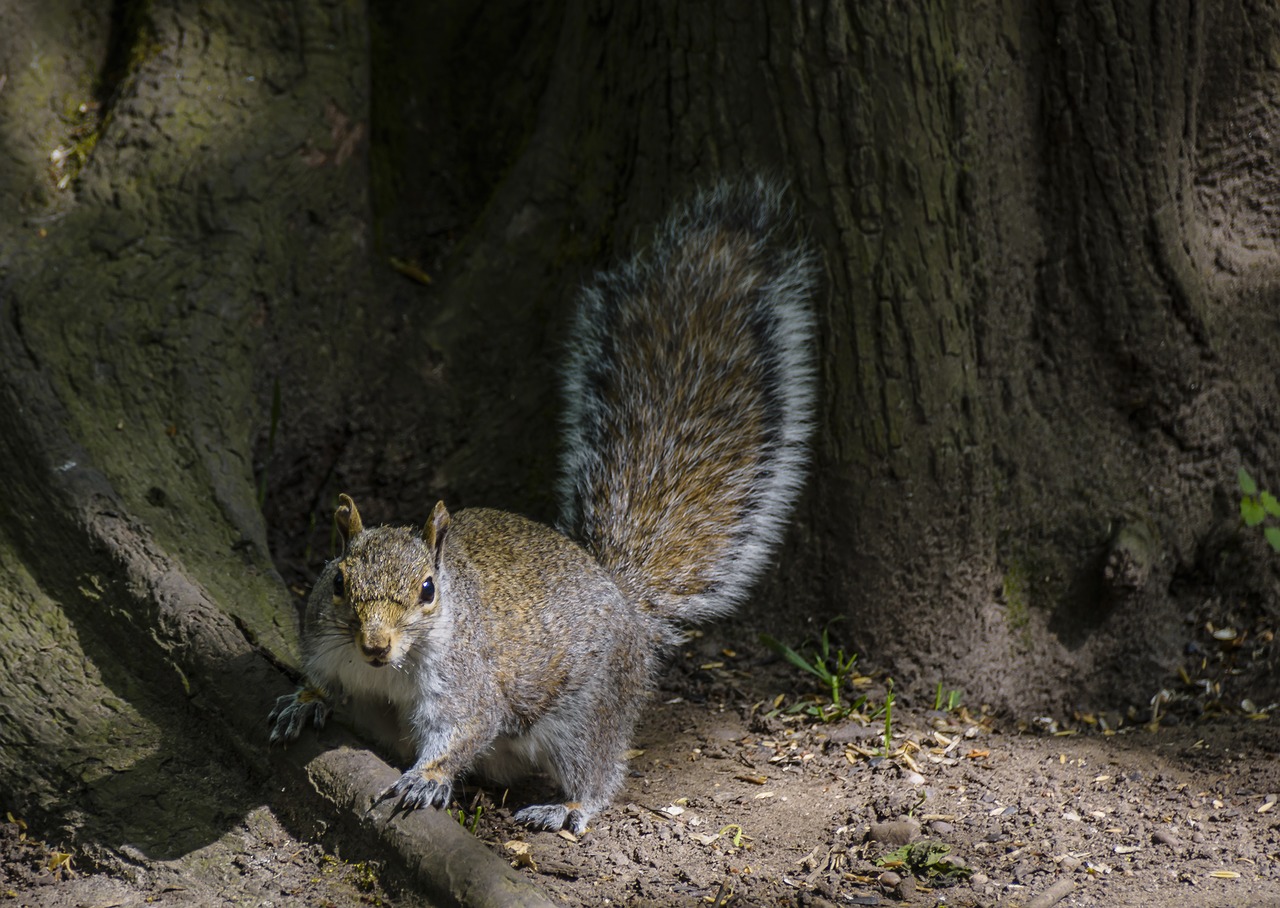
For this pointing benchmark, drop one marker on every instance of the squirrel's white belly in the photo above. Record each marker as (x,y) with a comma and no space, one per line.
(512,756)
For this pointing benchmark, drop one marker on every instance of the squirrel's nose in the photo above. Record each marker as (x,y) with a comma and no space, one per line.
(375,642)
(375,653)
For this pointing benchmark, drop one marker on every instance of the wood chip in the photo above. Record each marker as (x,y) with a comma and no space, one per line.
(1054,894)
(521,854)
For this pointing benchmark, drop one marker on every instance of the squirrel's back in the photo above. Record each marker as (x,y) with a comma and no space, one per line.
(690,396)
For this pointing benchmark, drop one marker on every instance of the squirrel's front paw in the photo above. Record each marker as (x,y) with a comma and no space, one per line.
(295,710)
(418,789)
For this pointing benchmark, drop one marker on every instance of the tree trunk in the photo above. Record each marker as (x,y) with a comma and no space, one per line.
(194,239)
(260,257)
(1024,472)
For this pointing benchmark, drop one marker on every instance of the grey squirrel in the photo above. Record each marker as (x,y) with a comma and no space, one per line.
(506,645)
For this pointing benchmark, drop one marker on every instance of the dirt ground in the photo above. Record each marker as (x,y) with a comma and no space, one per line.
(257,863)
(1179,814)
(738,797)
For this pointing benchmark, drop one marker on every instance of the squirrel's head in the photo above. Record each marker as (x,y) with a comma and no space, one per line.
(385,585)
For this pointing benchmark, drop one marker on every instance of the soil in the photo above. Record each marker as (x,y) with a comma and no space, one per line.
(256,863)
(1136,814)
(740,795)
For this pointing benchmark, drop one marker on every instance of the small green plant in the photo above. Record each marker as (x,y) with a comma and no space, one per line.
(735,833)
(830,665)
(470,822)
(1256,505)
(925,859)
(364,876)
(948,703)
(888,718)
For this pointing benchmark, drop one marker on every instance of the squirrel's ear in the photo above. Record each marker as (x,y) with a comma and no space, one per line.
(434,531)
(347,518)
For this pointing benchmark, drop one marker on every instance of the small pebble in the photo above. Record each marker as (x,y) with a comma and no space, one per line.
(941,827)
(890,880)
(849,732)
(1164,836)
(979,880)
(893,832)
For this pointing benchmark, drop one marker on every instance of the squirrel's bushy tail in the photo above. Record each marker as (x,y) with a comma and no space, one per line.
(690,396)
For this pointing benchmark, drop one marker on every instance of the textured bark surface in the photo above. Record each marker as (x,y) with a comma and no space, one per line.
(1050,259)
(193,229)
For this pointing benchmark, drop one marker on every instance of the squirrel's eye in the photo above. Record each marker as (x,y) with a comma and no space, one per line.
(339,585)
(428,593)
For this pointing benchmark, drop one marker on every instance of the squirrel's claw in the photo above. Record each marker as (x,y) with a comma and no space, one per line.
(293,711)
(417,790)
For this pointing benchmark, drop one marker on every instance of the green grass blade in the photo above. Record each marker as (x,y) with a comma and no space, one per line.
(792,656)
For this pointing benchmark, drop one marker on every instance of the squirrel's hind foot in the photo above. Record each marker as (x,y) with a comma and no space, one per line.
(555,817)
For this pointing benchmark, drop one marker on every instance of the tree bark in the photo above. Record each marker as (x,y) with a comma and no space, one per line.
(1049,245)
(197,184)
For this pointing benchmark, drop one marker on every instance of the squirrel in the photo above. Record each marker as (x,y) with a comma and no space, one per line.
(504,644)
